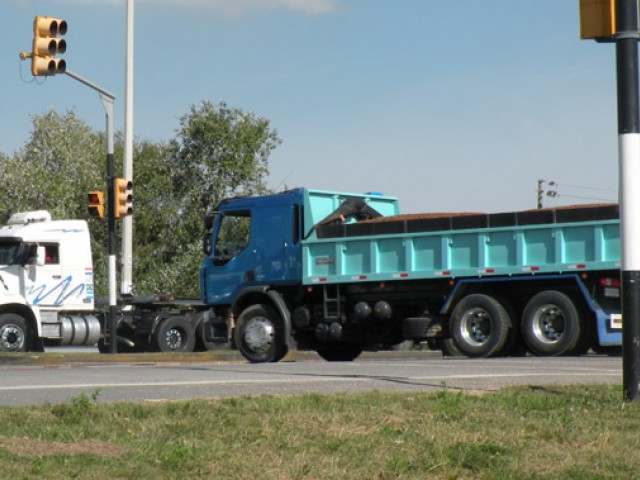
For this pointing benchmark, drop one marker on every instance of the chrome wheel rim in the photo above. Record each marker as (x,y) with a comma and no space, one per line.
(259,334)
(11,338)
(173,338)
(476,326)
(549,324)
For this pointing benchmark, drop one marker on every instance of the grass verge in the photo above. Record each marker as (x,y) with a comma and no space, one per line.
(520,433)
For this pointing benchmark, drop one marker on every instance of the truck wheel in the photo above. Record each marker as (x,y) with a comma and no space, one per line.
(339,352)
(14,333)
(175,334)
(259,334)
(446,345)
(480,326)
(551,324)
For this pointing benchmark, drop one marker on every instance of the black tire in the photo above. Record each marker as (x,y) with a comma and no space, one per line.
(480,326)
(259,334)
(339,351)
(174,334)
(514,346)
(15,335)
(446,345)
(551,324)
(416,328)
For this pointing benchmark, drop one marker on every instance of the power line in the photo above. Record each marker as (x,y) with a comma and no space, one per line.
(549,189)
(586,188)
(587,198)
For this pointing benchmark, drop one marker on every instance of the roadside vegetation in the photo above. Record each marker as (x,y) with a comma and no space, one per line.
(217,152)
(583,432)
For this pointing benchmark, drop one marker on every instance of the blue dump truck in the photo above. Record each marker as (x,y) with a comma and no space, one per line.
(336,273)
(340,273)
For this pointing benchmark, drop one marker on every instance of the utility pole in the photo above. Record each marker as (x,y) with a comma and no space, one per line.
(127,224)
(541,192)
(617,21)
(629,164)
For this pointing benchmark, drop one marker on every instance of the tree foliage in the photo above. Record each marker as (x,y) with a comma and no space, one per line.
(61,160)
(217,152)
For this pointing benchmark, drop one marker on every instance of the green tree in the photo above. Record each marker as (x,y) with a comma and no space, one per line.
(218,152)
(61,161)
(222,151)
(154,217)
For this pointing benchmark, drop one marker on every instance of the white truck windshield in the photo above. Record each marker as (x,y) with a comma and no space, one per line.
(10,253)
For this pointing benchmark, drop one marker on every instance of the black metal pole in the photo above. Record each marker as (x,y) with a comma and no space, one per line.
(111,246)
(107,101)
(107,98)
(629,168)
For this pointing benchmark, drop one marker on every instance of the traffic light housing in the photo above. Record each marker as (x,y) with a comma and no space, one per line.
(123,197)
(46,45)
(597,19)
(95,204)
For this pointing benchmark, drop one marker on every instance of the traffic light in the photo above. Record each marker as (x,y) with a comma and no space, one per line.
(46,46)
(95,204)
(597,19)
(123,197)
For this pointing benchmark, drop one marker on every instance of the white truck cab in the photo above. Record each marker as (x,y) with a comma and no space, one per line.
(46,283)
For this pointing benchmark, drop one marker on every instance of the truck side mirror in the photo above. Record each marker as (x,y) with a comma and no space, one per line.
(207,243)
(29,254)
(40,256)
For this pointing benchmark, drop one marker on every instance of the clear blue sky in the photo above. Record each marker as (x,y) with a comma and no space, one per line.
(456,105)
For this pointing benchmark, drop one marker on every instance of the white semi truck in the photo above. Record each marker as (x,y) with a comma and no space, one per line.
(47,297)
(41,297)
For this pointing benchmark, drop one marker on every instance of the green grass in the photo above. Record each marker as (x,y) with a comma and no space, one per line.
(520,433)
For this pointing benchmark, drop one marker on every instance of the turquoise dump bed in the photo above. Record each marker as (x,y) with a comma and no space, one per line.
(398,247)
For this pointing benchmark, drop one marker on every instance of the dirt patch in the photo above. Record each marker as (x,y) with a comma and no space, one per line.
(29,447)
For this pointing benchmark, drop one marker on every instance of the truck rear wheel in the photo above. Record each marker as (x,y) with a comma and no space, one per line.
(259,334)
(175,334)
(14,333)
(446,345)
(480,326)
(551,324)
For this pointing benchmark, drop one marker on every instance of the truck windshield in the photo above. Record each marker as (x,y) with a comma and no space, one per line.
(11,253)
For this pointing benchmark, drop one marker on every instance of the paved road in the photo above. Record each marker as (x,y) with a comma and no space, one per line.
(20,385)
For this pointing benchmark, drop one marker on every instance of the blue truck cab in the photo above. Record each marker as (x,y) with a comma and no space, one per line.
(253,241)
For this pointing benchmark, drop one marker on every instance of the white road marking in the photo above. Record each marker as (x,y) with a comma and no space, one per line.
(314,379)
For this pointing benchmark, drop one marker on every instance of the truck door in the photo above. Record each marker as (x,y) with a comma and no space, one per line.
(233,262)
(277,250)
(44,282)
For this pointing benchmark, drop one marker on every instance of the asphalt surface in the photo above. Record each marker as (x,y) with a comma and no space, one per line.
(58,377)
